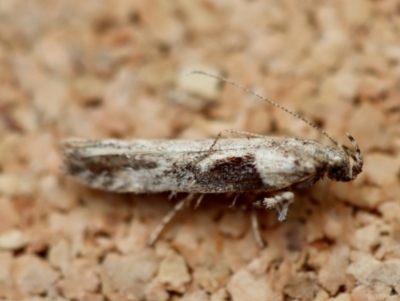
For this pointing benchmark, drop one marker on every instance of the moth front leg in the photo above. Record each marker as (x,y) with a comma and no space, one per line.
(280,201)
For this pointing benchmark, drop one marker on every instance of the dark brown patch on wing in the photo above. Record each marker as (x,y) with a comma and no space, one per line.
(233,174)
(107,163)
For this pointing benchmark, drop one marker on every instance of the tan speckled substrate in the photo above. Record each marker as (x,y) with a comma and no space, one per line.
(99,69)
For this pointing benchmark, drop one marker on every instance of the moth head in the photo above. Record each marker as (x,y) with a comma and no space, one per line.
(346,167)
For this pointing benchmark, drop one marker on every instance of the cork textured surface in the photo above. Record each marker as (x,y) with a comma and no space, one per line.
(101,69)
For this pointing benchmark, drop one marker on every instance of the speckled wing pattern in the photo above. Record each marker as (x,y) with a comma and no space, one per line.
(232,165)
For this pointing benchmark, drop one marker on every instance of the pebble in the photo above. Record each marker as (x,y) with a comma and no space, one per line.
(13,240)
(174,272)
(33,275)
(244,286)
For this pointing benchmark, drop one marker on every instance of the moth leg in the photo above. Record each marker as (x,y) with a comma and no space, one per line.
(232,131)
(280,201)
(172,195)
(198,201)
(242,133)
(255,227)
(234,200)
(155,234)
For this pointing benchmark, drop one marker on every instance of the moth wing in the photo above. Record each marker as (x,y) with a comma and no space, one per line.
(284,169)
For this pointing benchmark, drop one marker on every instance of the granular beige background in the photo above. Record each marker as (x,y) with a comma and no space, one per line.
(99,69)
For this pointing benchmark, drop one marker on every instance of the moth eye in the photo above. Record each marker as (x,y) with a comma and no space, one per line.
(335,172)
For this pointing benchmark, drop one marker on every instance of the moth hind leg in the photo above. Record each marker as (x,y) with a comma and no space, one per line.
(255,228)
(280,201)
(237,195)
(232,131)
(241,133)
(155,234)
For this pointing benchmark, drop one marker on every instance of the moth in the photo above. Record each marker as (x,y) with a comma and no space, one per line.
(256,163)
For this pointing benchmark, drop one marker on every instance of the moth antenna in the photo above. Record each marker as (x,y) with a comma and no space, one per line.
(267,100)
